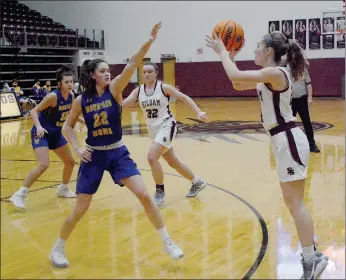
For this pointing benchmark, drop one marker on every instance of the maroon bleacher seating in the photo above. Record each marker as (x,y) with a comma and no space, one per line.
(39,29)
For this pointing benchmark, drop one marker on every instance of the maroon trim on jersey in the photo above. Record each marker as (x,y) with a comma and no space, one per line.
(169,111)
(276,99)
(276,91)
(172,131)
(164,92)
(290,139)
(153,89)
(139,89)
(276,103)
(280,128)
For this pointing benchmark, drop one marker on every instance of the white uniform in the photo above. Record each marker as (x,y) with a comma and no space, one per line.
(160,121)
(290,147)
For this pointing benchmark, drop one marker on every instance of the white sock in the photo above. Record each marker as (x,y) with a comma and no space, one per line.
(60,243)
(164,233)
(308,252)
(23,190)
(62,185)
(195,180)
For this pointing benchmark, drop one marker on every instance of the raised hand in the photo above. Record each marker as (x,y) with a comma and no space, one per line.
(217,45)
(155,30)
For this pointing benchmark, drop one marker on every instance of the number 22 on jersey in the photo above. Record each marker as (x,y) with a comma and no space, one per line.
(100,119)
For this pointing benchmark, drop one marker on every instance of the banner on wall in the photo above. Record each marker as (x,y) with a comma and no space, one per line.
(300,32)
(328,26)
(340,23)
(274,26)
(328,41)
(340,38)
(287,28)
(314,33)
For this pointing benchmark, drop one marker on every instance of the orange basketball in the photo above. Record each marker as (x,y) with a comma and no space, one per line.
(231,34)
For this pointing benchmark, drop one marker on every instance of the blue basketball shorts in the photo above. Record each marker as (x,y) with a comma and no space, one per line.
(116,161)
(50,140)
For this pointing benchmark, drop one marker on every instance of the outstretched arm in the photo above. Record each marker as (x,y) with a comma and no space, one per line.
(240,86)
(120,82)
(171,91)
(243,86)
(131,100)
(266,75)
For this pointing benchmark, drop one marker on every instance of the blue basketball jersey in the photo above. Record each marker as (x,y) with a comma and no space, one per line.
(52,119)
(102,115)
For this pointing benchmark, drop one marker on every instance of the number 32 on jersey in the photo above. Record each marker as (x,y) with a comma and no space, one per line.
(151,113)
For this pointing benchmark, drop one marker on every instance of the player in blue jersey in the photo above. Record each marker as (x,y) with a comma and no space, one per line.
(49,117)
(104,150)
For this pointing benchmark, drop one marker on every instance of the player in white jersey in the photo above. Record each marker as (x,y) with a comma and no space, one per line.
(153,98)
(289,143)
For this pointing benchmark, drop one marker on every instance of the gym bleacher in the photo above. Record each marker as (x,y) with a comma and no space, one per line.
(33,46)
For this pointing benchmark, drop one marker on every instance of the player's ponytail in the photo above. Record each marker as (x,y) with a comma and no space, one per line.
(282,46)
(296,60)
(86,81)
(84,78)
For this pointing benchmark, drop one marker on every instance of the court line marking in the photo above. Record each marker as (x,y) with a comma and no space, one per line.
(28,160)
(265,235)
(21,179)
(5,199)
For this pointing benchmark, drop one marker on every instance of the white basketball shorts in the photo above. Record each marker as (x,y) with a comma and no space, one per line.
(164,133)
(291,151)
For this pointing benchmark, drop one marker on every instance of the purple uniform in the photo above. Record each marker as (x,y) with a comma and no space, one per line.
(52,119)
(102,116)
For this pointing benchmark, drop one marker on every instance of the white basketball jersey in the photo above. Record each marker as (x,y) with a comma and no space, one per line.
(276,105)
(155,106)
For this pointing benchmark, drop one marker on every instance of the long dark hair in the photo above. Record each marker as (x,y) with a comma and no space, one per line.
(63,71)
(295,55)
(86,82)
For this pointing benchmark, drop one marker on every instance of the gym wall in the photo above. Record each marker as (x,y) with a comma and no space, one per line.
(127,25)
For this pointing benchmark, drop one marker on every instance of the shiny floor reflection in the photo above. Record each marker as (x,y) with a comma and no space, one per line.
(220,231)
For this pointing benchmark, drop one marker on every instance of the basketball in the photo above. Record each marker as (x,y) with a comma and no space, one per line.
(231,34)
